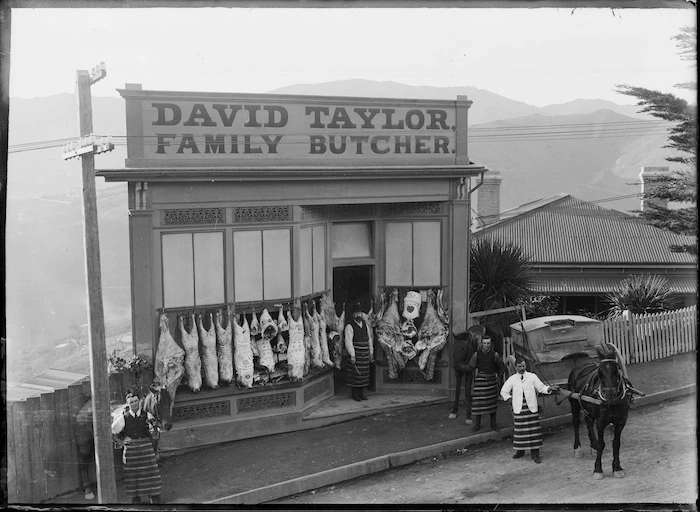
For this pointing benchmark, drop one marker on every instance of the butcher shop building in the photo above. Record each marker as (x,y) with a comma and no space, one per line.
(244,208)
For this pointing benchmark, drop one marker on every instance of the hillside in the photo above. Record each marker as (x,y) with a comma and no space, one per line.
(44,247)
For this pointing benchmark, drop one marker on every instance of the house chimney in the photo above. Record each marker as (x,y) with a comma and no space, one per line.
(650,182)
(488,199)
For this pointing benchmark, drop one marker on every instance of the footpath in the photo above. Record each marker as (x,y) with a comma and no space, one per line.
(254,471)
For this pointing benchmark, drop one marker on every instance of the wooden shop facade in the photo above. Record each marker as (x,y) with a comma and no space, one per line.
(250,201)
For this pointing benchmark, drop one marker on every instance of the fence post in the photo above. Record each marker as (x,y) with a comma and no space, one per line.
(63,451)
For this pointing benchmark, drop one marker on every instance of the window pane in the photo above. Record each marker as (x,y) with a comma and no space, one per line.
(398,253)
(247,265)
(319,238)
(178,270)
(426,253)
(277,264)
(352,240)
(209,268)
(306,255)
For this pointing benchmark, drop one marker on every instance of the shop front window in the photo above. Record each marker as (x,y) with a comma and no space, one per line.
(351,240)
(193,269)
(413,253)
(262,267)
(313,259)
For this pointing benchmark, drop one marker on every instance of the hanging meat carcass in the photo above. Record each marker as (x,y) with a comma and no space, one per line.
(193,364)
(281,345)
(314,334)
(224,348)
(322,335)
(209,360)
(389,335)
(433,335)
(307,339)
(169,365)
(242,353)
(254,325)
(268,329)
(335,325)
(296,351)
(282,324)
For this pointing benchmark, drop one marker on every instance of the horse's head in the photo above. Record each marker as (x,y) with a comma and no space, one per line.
(612,384)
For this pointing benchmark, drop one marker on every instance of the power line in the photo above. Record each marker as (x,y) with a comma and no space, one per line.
(569,131)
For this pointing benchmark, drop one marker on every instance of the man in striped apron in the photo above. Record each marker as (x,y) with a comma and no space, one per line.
(359,354)
(132,431)
(523,387)
(489,367)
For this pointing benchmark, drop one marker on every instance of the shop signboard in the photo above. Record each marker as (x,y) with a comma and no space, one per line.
(168,129)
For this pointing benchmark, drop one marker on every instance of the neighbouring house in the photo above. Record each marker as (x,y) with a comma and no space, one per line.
(581,251)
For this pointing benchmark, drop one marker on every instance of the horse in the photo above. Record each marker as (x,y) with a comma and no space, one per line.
(606,384)
(157,402)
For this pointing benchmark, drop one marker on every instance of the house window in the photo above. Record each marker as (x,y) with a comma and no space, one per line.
(352,240)
(313,259)
(413,253)
(193,269)
(262,267)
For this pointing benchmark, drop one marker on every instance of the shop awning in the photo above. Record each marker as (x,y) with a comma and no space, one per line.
(597,284)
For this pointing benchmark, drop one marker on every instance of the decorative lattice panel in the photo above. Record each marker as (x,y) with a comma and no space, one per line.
(345,211)
(181,216)
(201,411)
(403,209)
(316,389)
(256,214)
(412,376)
(314,212)
(258,403)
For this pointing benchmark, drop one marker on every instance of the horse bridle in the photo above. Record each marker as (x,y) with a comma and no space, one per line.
(622,388)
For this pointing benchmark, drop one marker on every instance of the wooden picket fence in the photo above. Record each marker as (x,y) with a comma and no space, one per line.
(647,337)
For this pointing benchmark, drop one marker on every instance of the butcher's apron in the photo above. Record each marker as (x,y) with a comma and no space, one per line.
(357,375)
(141,473)
(527,432)
(485,394)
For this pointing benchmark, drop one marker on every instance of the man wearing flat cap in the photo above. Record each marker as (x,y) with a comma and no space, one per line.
(359,354)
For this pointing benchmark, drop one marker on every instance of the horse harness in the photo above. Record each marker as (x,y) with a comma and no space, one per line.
(587,387)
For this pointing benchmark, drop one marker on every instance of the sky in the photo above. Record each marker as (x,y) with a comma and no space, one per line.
(537,56)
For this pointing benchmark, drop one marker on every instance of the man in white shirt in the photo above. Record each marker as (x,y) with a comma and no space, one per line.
(523,387)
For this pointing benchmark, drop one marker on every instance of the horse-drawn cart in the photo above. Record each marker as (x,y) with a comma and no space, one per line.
(554,345)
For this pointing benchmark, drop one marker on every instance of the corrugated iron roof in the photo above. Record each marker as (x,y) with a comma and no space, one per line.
(564,229)
(597,284)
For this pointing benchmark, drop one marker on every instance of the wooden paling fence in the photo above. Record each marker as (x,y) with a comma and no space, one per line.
(42,455)
(647,337)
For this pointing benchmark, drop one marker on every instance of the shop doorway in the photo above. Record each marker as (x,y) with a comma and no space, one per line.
(350,285)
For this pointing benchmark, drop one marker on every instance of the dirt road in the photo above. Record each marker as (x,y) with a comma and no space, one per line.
(658,454)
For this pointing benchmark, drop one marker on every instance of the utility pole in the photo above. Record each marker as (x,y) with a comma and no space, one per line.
(99,380)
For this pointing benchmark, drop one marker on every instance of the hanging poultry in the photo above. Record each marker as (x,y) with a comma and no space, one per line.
(193,364)
(224,347)
(169,365)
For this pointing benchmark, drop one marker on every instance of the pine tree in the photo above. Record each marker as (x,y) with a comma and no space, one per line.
(681,185)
